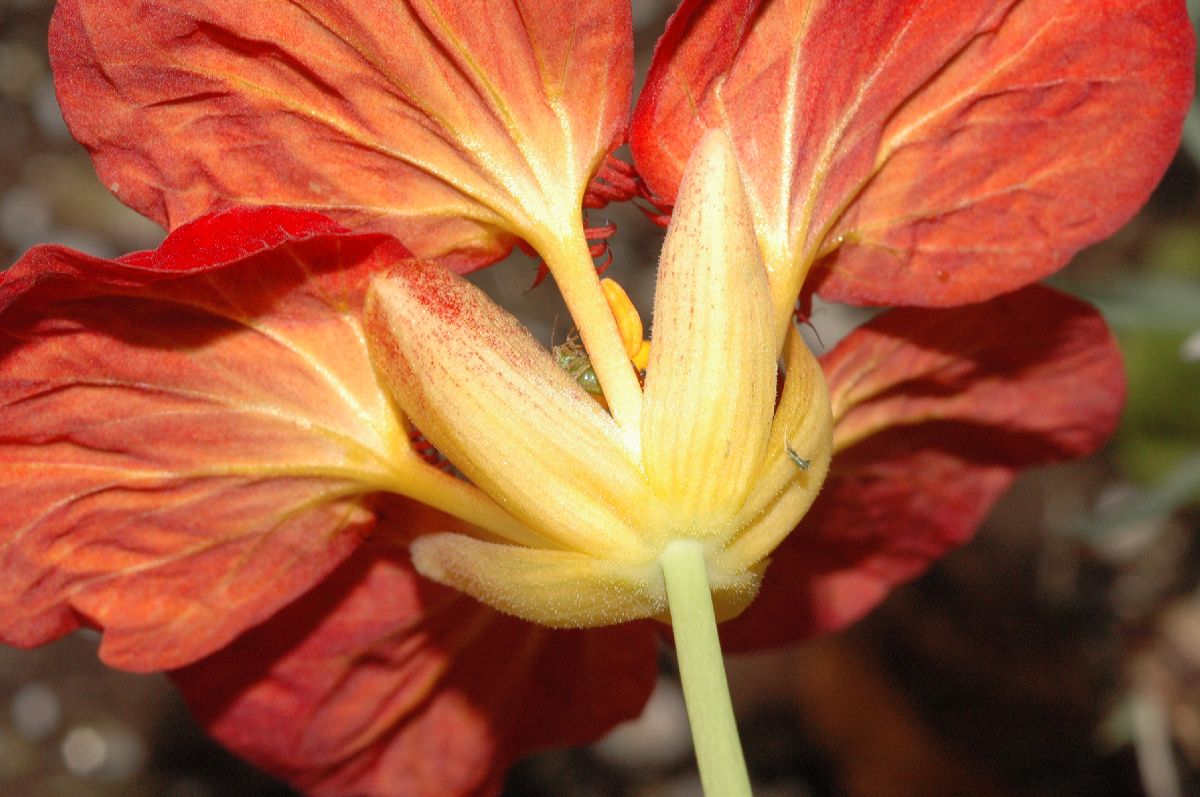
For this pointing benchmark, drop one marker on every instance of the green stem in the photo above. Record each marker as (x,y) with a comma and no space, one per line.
(702,670)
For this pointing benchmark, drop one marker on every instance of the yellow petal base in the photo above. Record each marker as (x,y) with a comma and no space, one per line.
(565,589)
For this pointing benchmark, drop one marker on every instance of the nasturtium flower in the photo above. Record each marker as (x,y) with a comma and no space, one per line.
(206,451)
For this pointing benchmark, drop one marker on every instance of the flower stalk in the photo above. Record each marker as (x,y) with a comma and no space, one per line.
(702,671)
(574,271)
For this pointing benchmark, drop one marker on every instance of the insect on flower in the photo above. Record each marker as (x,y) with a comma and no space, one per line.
(572,358)
(801,462)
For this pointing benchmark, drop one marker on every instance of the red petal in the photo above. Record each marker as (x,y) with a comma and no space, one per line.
(380,683)
(936,411)
(933,153)
(453,126)
(187,435)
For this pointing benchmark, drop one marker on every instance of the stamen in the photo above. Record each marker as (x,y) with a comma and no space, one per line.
(629,321)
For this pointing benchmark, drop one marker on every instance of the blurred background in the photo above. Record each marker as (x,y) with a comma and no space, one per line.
(1057,654)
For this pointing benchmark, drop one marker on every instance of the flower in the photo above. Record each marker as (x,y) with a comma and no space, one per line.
(204,447)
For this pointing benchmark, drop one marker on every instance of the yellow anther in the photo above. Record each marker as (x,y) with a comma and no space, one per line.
(642,358)
(626,315)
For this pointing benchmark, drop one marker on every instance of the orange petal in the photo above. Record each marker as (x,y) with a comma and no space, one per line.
(454,126)
(926,153)
(186,436)
(937,411)
(409,689)
(1036,362)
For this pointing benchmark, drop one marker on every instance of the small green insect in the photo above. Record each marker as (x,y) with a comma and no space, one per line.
(800,461)
(572,358)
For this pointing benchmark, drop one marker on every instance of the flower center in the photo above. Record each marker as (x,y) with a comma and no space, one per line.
(719,457)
